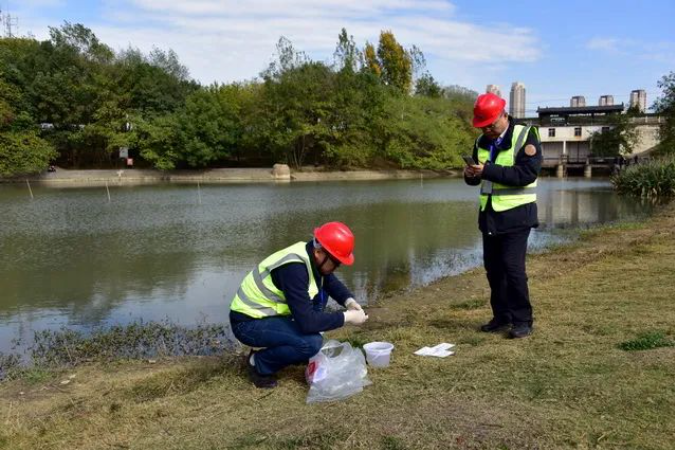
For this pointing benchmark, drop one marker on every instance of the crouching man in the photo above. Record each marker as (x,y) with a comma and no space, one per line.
(280,304)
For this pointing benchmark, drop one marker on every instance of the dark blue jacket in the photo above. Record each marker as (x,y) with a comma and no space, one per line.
(525,171)
(309,314)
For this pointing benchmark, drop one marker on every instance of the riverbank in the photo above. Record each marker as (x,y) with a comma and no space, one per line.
(279,173)
(570,385)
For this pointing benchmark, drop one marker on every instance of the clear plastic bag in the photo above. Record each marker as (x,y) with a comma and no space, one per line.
(338,371)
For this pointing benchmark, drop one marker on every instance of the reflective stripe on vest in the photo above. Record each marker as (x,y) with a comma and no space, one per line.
(506,197)
(258,297)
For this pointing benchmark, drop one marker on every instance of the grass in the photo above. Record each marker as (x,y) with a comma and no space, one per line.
(570,385)
(647,341)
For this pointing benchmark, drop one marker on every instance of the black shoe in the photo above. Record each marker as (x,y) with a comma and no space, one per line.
(520,331)
(495,326)
(260,381)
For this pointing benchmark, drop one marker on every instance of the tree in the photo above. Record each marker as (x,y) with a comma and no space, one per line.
(299,103)
(396,63)
(428,87)
(81,41)
(287,59)
(619,139)
(21,149)
(372,65)
(23,152)
(347,55)
(665,107)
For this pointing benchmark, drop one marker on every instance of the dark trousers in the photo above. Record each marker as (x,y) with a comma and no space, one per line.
(504,259)
(285,343)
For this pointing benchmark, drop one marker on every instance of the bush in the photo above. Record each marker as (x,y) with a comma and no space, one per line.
(23,152)
(9,365)
(654,180)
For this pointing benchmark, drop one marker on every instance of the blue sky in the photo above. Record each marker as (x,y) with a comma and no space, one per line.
(557,48)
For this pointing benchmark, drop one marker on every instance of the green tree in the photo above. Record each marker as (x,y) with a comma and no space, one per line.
(21,149)
(299,103)
(358,103)
(618,139)
(428,87)
(347,55)
(665,107)
(156,84)
(23,152)
(420,132)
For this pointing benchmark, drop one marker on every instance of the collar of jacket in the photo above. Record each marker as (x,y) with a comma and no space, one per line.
(317,276)
(505,144)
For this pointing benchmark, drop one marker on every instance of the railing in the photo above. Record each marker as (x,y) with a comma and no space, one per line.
(594,160)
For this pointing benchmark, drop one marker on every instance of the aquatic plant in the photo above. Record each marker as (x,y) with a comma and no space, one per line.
(654,179)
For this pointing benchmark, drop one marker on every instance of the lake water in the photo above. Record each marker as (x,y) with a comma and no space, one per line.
(71,258)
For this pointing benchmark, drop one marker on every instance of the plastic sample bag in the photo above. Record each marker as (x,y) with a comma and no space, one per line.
(338,371)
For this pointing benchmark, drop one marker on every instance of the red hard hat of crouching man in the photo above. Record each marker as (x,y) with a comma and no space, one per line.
(337,239)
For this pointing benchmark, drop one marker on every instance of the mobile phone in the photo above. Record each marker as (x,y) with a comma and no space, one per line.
(469,160)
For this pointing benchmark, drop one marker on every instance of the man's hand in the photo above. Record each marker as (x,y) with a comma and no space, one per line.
(355,317)
(473,171)
(352,305)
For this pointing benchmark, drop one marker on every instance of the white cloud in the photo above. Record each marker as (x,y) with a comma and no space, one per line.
(604,44)
(226,40)
(659,51)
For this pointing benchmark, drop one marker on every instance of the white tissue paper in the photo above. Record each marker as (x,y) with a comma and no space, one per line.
(439,351)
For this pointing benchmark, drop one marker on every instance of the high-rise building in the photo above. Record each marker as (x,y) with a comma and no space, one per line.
(606,100)
(578,101)
(517,100)
(638,99)
(494,89)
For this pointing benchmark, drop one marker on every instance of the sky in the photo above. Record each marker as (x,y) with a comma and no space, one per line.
(558,49)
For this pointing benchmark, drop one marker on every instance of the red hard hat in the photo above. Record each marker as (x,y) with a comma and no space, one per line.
(487,108)
(338,240)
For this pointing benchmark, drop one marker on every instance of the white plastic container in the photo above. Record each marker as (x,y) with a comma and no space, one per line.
(378,354)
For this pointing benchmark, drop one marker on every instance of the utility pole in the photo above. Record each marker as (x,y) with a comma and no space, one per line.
(9,24)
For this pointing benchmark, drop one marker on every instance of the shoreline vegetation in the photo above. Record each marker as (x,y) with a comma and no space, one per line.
(73,101)
(596,373)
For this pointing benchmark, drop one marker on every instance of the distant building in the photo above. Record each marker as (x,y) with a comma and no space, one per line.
(494,89)
(566,132)
(606,100)
(517,100)
(578,101)
(638,99)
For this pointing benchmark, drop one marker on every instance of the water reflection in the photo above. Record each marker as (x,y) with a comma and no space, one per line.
(70,257)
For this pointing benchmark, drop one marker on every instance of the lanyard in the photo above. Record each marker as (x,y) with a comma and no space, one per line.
(493,148)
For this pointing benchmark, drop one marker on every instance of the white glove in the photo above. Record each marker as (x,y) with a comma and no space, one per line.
(353,305)
(355,317)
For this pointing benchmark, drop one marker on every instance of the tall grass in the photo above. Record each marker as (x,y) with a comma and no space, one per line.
(654,179)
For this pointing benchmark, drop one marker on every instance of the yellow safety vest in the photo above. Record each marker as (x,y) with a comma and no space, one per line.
(506,197)
(258,297)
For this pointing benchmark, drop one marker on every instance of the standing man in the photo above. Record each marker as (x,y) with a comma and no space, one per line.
(508,160)
(280,304)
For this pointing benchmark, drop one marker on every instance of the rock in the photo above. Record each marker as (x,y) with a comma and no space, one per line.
(281,172)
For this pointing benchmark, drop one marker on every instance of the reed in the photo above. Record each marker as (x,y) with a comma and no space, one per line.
(654,179)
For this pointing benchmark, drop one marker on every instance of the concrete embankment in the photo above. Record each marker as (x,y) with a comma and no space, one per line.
(279,173)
